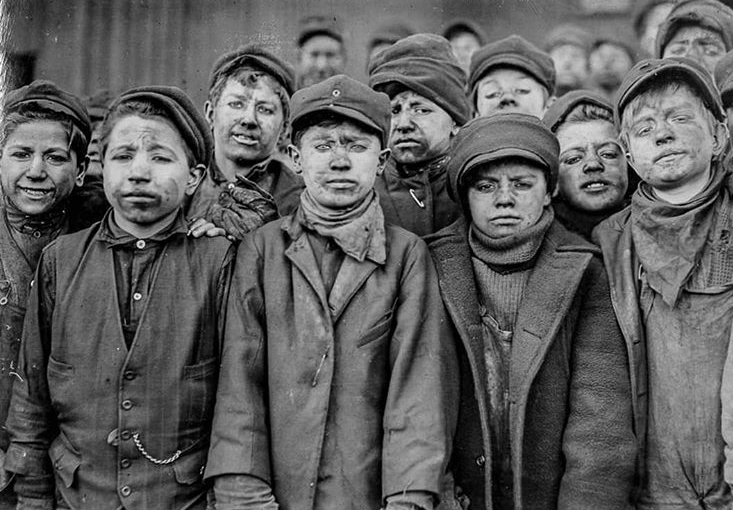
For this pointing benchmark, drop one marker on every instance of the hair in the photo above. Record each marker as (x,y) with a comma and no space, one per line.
(26,113)
(249,76)
(325,120)
(659,85)
(145,108)
(586,112)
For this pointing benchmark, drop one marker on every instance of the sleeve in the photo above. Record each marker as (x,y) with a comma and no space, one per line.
(223,287)
(31,420)
(598,443)
(726,416)
(243,492)
(422,401)
(240,437)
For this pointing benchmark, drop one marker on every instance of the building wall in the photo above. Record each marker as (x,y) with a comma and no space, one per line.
(85,45)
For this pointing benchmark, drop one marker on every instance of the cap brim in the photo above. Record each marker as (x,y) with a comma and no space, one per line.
(343,111)
(503,153)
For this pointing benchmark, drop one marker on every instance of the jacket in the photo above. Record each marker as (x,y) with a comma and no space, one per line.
(572,442)
(338,400)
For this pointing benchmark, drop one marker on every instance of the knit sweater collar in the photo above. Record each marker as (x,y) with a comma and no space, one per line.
(514,252)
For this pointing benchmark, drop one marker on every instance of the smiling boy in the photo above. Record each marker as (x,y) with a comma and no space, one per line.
(338,385)
(120,349)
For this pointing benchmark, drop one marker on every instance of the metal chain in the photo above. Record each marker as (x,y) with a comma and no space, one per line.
(159,462)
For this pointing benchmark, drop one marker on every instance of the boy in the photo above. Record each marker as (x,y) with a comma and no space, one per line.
(120,352)
(338,384)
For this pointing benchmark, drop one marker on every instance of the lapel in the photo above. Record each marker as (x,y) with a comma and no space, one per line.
(382,186)
(301,256)
(350,278)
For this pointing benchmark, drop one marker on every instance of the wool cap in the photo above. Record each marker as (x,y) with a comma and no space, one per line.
(568,34)
(181,111)
(319,25)
(47,95)
(346,97)
(97,104)
(694,74)
(504,135)
(710,14)
(513,51)
(641,9)
(424,64)
(458,25)
(724,78)
(561,108)
(256,56)
(390,34)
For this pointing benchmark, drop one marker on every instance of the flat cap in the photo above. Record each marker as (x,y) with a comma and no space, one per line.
(458,25)
(346,97)
(390,34)
(513,51)
(710,14)
(47,95)
(559,110)
(724,78)
(693,74)
(568,34)
(258,57)
(181,111)
(319,25)
(425,64)
(501,136)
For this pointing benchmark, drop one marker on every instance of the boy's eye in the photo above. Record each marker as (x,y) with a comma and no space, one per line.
(571,160)
(609,154)
(266,110)
(162,159)
(522,185)
(522,92)
(492,95)
(358,147)
(643,131)
(420,110)
(57,159)
(19,154)
(322,147)
(235,104)
(121,157)
(396,110)
(485,187)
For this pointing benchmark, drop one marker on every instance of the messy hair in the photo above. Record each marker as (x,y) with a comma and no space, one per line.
(586,112)
(249,76)
(145,108)
(78,142)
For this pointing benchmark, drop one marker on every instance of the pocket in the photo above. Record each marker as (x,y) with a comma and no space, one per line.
(200,382)
(11,330)
(65,460)
(201,370)
(189,469)
(59,368)
(379,331)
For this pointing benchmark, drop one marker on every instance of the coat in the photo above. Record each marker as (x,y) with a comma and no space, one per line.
(572,441)
(97,409)
(337,400)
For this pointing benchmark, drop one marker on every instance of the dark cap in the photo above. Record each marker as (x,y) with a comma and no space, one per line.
(513,51)
(724,78)
(97,104)
(561,108)
(319,25)
(641,10)
(639,76)
(258,57)
(568,34)
(425,64)
(458,25)
(346,97)
(181,111)
(45,94)
(390,34)
(710,14)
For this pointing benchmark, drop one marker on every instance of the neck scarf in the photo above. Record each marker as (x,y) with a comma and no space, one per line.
(358,231)
(433,168)
(35,224)
(670,238)
(514,252)
(579,221)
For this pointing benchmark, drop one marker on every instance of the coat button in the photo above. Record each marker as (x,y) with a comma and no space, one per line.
(125,435)
(125,463)
(137,296)
(127,405)
(129,375)
(140,244)
(480,461)
(125,491)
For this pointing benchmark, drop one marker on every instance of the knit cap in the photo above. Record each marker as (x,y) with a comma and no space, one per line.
(504,135)
(513,51)
(458,25)
(390,34)
(559,110)
(256,56)
(424,64)
(710,14)
(318,24)
(181,111)
(724,78)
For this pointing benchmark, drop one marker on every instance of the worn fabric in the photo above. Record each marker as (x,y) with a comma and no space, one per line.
(572,442)
(558,111)
(419,200)
(256,56)
(724,78)
(711,14)
(338,400)
(579,221)
(87,408)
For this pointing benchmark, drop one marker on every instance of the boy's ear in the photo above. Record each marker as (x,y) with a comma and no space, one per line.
(454,130)
(81,171)
(209,113)
(548,103)
(383,158)
(720,139)
(195,174)
(295,157)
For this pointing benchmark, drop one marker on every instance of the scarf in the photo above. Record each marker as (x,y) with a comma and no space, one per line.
(433,168)
(35,224)
(514,252)
(579,221)
(358,231)
(670,238)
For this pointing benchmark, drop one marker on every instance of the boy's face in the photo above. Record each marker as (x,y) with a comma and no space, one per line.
(593,175)
(505,89)
(609,63)
(38,170)
(571,65)
(421,130)
(146,173)
(671,141)
(321,57)
(697,43)
(464,44)
(507,196)
(339,163)
(246,121)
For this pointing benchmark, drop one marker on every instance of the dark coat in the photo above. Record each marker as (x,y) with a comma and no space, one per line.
(570,403)
(336,400)
(90,405)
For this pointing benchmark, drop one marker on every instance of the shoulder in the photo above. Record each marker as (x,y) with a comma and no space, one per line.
(453,234)
(402,242)
(564,240)
(286,173)
(613,226)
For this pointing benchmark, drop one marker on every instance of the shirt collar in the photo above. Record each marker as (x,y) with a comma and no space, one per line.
(113,235)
